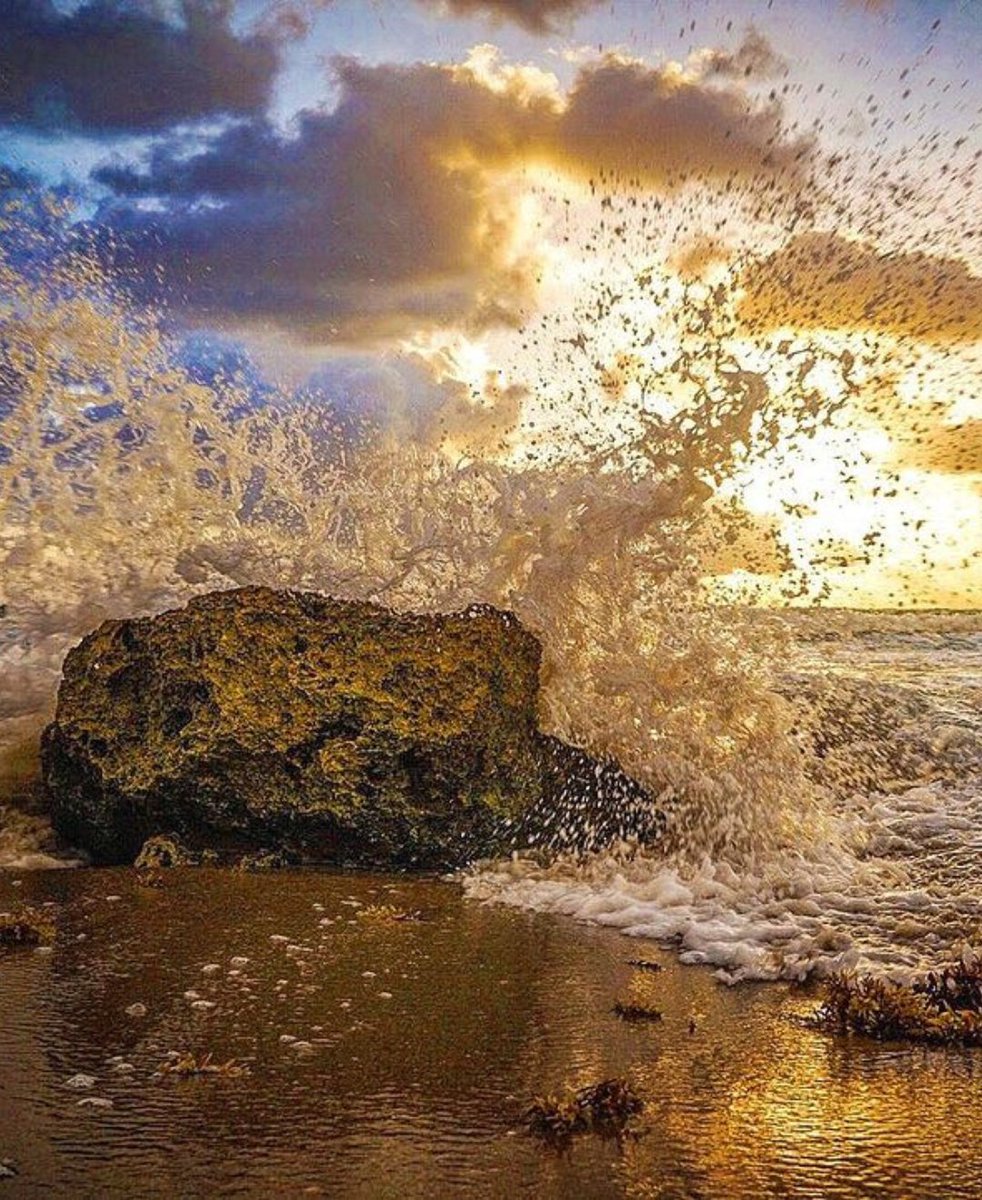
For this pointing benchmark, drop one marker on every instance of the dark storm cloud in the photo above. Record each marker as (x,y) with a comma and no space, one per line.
(111,67)
(351,228)
(537,16)
(383,215)
(825,281)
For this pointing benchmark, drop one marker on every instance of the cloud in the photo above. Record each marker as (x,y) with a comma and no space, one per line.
(109,67)
(537,16)
(692,259)
(291,18)
(401,398)
(825,281)
(950,449)
(664,127)
(754,57)
(392,212)
(358,227)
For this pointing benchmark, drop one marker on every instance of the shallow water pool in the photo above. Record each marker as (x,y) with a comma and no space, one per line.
(391,1058)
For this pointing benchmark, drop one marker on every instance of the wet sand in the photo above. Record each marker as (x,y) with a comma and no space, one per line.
(417,1044)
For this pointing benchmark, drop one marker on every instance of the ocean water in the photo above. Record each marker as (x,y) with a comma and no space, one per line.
(884,870)
(394,1059)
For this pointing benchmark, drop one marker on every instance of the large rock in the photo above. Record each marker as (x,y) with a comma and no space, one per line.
(343,731)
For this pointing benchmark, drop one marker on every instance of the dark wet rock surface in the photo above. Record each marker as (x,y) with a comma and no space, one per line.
(586,804)
(322,730)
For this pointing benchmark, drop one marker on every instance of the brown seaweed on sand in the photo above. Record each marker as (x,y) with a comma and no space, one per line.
(27,928)
(941,1007)
(385,914)
(634,1011)
(192,1066)
(605,1108)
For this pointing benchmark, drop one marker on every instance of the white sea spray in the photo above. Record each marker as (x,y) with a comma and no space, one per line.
(821,810)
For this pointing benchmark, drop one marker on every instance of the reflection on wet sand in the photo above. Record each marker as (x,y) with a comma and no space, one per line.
(391,1058)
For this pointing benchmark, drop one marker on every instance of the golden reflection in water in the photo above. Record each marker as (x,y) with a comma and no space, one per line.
(803,1115)
(425,1041)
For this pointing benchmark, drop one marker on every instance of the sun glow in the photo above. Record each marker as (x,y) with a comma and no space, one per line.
(834,496)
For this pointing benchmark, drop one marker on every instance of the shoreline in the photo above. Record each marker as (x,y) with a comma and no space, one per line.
(393,1057)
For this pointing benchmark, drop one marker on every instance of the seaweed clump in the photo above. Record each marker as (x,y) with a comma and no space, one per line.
(385,914)
(954,989)
(644,964)
(193,1066)
(634,1011)
(162,852)
(638,1006)
(942,1007)
(605,1108)
(26,928)
(266,860)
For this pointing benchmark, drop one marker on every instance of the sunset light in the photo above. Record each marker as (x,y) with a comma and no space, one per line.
(491,599)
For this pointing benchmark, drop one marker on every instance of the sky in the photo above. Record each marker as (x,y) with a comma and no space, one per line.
(573,210)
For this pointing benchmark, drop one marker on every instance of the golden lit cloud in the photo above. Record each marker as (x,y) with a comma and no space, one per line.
(537,16)
(826,281)
(399,209)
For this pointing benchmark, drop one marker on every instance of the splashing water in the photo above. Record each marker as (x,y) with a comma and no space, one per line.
(815,819)
(885,877)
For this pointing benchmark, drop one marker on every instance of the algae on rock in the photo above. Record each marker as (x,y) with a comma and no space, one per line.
(254,717)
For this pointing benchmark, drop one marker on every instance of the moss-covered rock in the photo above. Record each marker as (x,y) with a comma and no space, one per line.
(256,718)
(320,729)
